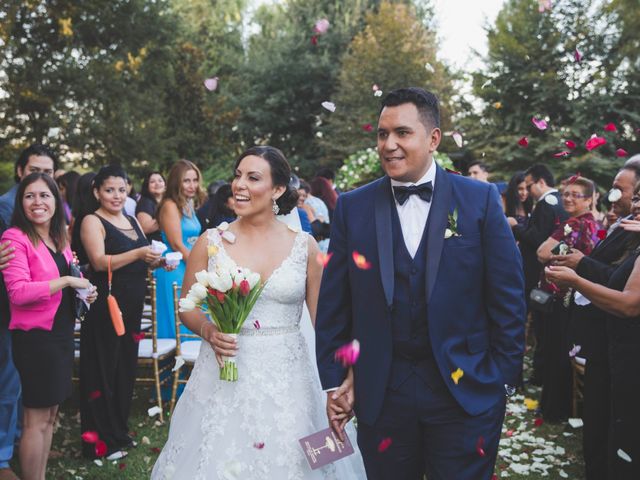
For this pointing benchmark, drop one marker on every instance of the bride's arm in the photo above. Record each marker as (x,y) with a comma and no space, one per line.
(314,275)
(195,320)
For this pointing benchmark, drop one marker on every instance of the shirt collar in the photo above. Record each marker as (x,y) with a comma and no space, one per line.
(429,176)
(553,190)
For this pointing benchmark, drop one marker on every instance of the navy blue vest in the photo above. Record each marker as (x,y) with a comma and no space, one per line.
(411,346)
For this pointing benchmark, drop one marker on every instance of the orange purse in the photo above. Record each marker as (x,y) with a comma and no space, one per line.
(112,303)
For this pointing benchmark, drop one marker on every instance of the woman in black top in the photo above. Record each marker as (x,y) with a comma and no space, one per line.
(153,188)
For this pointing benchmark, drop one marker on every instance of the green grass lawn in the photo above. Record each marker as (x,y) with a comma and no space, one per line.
(527,449)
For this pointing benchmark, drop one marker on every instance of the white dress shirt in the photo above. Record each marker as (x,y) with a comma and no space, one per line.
(414,212)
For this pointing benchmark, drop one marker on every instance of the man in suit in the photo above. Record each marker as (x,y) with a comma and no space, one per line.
(425,274)
(546,216)
(598,267)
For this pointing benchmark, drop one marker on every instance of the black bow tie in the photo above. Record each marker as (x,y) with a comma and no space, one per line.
(424,191)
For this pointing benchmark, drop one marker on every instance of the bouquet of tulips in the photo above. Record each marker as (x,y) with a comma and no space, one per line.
(228,294)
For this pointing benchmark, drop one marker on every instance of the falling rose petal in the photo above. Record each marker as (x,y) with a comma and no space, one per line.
(348,354)
(375,87)
(179,363)
(258,445)
(256,324)
(429,68)
(360,261)
(211,84)
(494,477)
(155,449)
(570,144)
(509,433)
(137,336)
(90,436)
(538,421)
(602,234)
(577,55)
(551,200)
(497,105)
(457,137)
(329,106)
(480,447)
(100,448)
(323,258)
(610,127)
(122,466)
(575,350)
(615,194)
(368,127)
(384,444)
(322,26)
(595,142)
(564,153)
(623,455)
(530,403)
(621,152)
(540,123)
(314,40)
(523,142)
(95,395)
(544,5)
(456,375)
(573,178)
(153,411)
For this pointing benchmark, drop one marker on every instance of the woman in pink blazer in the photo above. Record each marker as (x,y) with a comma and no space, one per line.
(41,301)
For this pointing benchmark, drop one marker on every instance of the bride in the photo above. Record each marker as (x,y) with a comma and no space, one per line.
(250,429)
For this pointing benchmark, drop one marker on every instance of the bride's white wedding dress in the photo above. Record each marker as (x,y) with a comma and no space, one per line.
(250,429)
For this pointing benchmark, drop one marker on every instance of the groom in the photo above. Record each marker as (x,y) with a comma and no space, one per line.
(436,303)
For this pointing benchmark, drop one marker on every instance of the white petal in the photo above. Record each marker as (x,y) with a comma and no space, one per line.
(202,277)
(614,195)
(211,84)
(624,455)
(153,411)
(329,106)
(179,363)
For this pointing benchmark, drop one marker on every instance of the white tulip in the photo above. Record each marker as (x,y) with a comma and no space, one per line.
(448,233)
(253,279)
(186,305)
(198,291)
(202,277)
(222,282)
(615,194)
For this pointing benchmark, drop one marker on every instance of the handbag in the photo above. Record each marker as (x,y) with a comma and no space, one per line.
(541,301)
(79,307)
(112,304)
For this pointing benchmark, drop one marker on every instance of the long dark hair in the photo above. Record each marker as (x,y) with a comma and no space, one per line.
(70,182)
(58,225)
(512,202)
(144,190)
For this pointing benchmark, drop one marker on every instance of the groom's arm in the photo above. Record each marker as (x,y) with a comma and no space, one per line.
(504,291)
(333,319)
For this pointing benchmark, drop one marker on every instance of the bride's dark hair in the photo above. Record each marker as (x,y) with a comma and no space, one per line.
(280,174)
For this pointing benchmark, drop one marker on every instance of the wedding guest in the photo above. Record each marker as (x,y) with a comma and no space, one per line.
(153,187)
(83,205)
(579,232)
(221,209)
(518,203)
(180,229)
(41,300)
(108,361)
(330,175)
(545,216)
(318,214)
(203,211)
(321,188)
(478,170)
(67,184)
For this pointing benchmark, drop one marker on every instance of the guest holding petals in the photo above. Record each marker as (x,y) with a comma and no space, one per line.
(579,232)
(41,300)
(108,361)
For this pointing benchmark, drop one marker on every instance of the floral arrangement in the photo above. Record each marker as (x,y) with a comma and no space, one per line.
(228,294)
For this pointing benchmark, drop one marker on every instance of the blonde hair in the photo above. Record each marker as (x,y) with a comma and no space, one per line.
(174,186)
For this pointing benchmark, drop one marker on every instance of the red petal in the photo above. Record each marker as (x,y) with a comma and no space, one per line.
(101,448)
(577,55)
(561,154)
(258,445)
(95,394)
(368,127)
(384,444)
(323,258)
(595,142)
(360,261)
(256,324)
(621,152)
(122,466)
(155,449)
(602,234)
(538,421)
(314,40)
(570,144)
(455,172)
(90,436)
(479,447)
(523,142)
(610,127)
(509,433)
(348,354)
(137,336)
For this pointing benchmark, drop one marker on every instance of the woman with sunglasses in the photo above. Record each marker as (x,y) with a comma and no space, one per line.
(579,232)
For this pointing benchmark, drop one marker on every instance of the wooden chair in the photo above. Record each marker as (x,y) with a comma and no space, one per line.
(155,354)
(187,350)
(577,365)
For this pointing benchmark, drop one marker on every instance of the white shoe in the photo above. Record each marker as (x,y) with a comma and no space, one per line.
(117,455)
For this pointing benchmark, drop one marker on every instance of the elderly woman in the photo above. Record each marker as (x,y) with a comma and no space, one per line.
(579,232)
(41,301)
(620,298)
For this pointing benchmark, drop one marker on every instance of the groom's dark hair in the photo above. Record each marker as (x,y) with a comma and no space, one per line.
(426,102)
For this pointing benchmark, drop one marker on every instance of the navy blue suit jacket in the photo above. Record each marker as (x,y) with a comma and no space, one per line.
(474,290)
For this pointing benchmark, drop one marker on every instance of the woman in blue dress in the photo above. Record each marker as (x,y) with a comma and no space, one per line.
(180,229)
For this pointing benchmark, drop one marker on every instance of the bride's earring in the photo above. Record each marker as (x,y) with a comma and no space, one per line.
(275,207)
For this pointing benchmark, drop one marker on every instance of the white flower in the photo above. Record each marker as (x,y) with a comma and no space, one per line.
(253,279)
(198,291)
(568,230)
(448,233)
(186,305)
(614,195)
(551,199)
(223,226)
(222,281)
(202,277)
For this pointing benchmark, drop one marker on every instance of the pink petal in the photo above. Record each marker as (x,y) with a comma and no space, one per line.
(95,394)
(570,144)
(314,40)
(101,448)
(348,354)
(375,87)
(479,447)
(90,436)
(256,324)
(561,154)
(621,152)
(610,127)
(595,142)
(574,351)
(368,127)
(323,258)
(523,142)
(258,445)
(322,26)
(384,444)
(540,123)
(577,55)
(457,137)
(544,5)
(211,84)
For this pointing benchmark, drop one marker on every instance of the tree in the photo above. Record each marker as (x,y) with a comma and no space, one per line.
(394,50)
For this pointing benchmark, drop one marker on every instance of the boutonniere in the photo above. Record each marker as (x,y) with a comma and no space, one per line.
(452,225)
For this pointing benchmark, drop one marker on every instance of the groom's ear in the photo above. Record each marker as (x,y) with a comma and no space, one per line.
(434,139)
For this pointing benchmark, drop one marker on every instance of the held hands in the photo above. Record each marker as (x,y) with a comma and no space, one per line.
(340,405)
(561,276)
(148,255)
(222,344)
(6,254)
(570,260)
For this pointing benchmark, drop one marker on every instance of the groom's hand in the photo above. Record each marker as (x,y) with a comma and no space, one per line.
(340,405)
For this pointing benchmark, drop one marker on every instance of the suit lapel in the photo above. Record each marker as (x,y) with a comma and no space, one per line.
(383,205)
(437,224)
